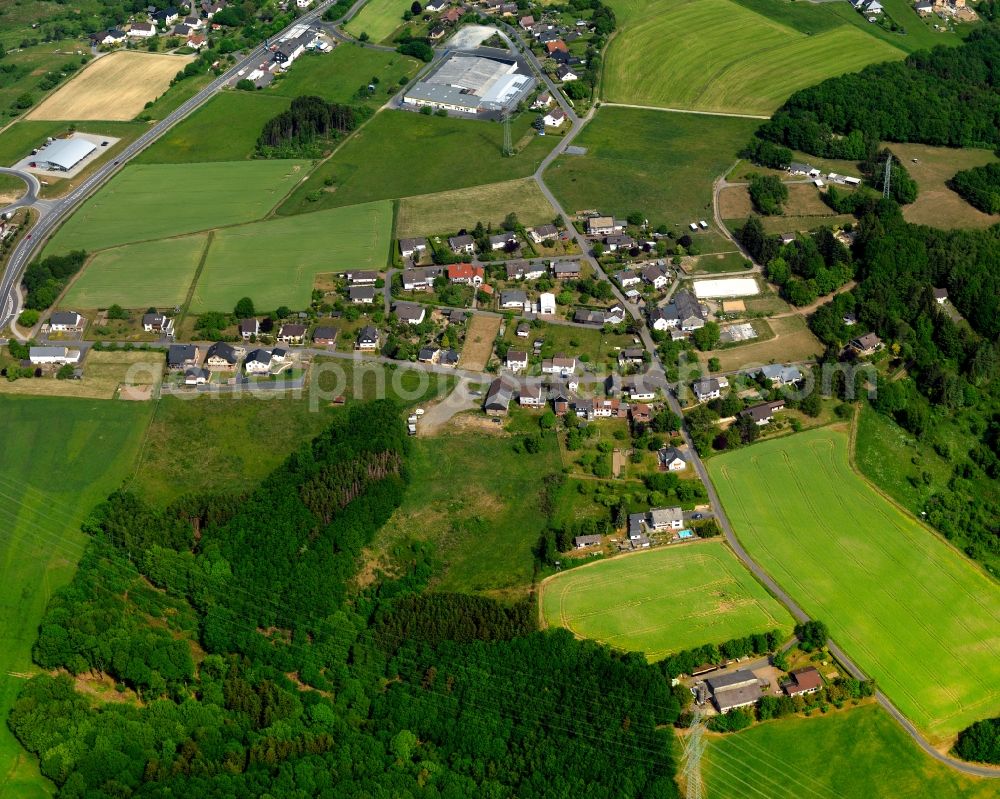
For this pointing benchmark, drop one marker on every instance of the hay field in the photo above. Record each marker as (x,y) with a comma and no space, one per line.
(793,341)
(448,211)
(717,55)
(115,86)
(479,340)
(377,18)
(136,373)
(913,612)
(662,601)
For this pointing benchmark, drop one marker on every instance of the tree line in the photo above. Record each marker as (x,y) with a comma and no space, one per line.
(45,278)
(980,187)
(307,126)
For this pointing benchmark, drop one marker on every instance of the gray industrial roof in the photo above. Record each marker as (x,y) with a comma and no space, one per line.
(66,153)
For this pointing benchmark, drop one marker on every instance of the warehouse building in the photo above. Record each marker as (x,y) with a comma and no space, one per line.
(61,155)
(472,84)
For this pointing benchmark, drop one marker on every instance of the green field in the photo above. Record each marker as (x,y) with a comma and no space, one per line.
(662,601)
(153,273)
(274,261)
(377,18)
(718,55)
(860,753)
(399,154)
(153,201)
(224,129)
(337,76)
(60,457)
(912,611)
(664,166)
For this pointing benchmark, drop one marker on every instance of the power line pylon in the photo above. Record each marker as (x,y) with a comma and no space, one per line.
(508,147)
(887,179)
(694,746)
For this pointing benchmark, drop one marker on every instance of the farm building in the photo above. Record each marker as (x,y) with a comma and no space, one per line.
(62,155)
(471,84)
(53,355)
(736,689)
(804,681)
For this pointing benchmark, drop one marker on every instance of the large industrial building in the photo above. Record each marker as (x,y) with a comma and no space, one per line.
(472,84)
(61,155)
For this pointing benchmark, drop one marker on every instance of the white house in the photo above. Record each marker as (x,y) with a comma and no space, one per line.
(554,118)
(516,360)
(671,460)
(666,518)
(547,303)
(53,355)
(258,362)
(158,323)
(410,312)
(559,366)
(707,389)
(142,30)
(63,321)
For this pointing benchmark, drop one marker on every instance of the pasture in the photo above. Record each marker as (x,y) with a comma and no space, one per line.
(911,610)
(199,139)
(377,18)
(337,76)
(154,201)
(446,211)
(664,167)
(857,753)
(60,458)
(718,55)
(152,273)
(662,601)
(804,199)
(115,86)
(400,154)
(275,261)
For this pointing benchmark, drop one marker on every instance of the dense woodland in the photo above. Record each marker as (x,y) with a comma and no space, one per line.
(309,124)
(980,186)
(247,662)
(45,278)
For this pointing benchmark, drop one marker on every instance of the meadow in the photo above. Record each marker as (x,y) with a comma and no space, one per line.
(377,18)
(399,154)
(717,55)
(448,211)
(791,341)
(152,273)
(275,261)
(199,137)
(858,753)
(60,458)
(153,201)
(337,76)
(662,601)
(664,167)
(911,610)
(106,375)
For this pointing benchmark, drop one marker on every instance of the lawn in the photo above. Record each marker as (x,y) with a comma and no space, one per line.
(274,262)
(449,211)
(912,611)
(59,459)
(718,55)
(153,201)
(591,345)
(400,154)
(377,18)
(716,264)
(855,754)
(662,601)
(477,502)
(338,76)
(664,167)
(198,138)
(152,273)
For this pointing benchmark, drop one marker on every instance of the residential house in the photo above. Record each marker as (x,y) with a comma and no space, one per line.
(780,375)
(560,400)
(541,233)
(194,22)
(515,269)
(586,316)
(614,315)
(325,336)
(466,273)
(940,296)
(584,541)
(526,22)
(804,681)
(249,327)
(867,344)
(604,226)
(279,355)
(531,395)
(290,49)
(51,356)
(763,413)
(557,45)
(462,245)
(566,270)
(456,316)
(367,339)
(559,365)
(158,323)
(292,334)
(196,41)
(565,74)
(671,459)
(683,312)
(428,354)
(436,6)
(503,241)
(258,362)
(452,15)
(421,278)
(66,322)
(142,30)
(516,360)
(707,389)
(546,303)
(409,248)
(543,101)
(607,408)
(449,358)
(655,276)
(437,32)
(635,389)
(222,357)
(631,356)
(666,518)
(619,241)
(365,277)
(523,330)
(554,118)
(166,16)
(181,356)
(109,37)
(498,397)
(409,312)
(361,295)
(626,278)
(514,299)
(196,376)
(182,30)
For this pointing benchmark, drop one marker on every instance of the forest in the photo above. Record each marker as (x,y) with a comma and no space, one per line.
(980,186)
(247,660)
(309,124)
(45,278)
(948,96)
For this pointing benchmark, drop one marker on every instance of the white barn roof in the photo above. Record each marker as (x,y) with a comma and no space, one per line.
(66,153)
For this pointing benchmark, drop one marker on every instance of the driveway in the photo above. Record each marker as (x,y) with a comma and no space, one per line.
(440,413)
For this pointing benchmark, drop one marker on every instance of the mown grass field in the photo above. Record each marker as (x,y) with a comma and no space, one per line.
(152,273)
(659,163)
(337,76)
(400,154)
(275,261)
(60,457)
(106,375)
(859,753)
(662,601)
(717,55)
(377,18)
(199,138)
(912,611)
(447,211)
(792,341)
(153,201)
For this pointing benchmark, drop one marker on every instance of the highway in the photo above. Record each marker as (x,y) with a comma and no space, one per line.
(53,213)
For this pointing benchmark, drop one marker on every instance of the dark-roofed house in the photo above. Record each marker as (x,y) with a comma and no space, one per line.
(503,241)
(462,245)
(420,278)
(764,413)
(181,356)
(707,389)
(619,241)
(410,247)
(867,344)
(566,270)
(367,338)
(361,295)
(64,321)
(671,459)
(364,277)
(292,334)
(940,296)
(655,276)
(258,362)
(514,299)
(626,278)
(540,233)
(222,357)
(516,360)
(631,355)
(531,395)
(585,316)
(683,312)
(804,681)
(448,357)
(158,323)
(325,336)
(428,354)
(456,317)
(736,689)
(196,376)
(523,330)
(409,312)
(584,541)
(498,397)
(559,365)
(781,375)
(249,327)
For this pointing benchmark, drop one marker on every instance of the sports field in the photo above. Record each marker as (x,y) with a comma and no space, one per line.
(447,211)
(153,201)
(152,273)
(717,55)
(274,262)
(199,139)
(377,18)
(400,154)
(664,166)
(912,611)
(60,457)
(860,753)
(115,86)
(662,601)
(337,76)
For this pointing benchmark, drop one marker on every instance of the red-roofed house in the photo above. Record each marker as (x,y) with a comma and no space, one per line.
(557,46)
(466,273)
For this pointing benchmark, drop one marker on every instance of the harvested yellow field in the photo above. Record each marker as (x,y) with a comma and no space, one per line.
(479,340)
(114,87)
(106,375)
